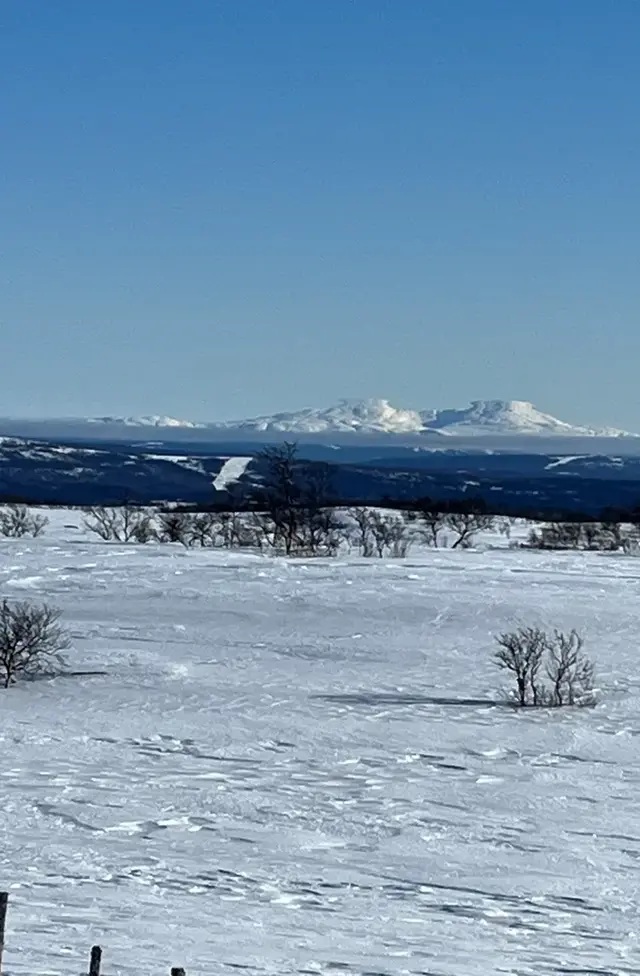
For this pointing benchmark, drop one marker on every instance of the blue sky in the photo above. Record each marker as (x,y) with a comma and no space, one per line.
(217,208)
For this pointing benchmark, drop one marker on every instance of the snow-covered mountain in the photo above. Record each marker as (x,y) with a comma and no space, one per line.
(490,417)
(364,416)
(151,421)
(513,418)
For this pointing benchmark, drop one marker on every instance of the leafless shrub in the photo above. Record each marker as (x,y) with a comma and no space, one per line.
(360,534)
(320,532)
(17,521)
(522,653)
(434,525)
(234,530)
(204,529)
(593,536)
(529,653)
(390,535)
(124,524)
(571,673)
(375,533)
(175,527)
(264,531)
(31,641)
(630,542)
(466,526)
(437,525)
(503,525)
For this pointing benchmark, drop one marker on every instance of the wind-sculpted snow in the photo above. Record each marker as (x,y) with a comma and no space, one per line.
(306,767)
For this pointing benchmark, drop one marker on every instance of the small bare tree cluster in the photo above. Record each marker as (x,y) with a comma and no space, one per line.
(291,514)
(126,523)
(455,528)
(466,526)
(17,521)
(222,530)
(549,671)
(31,641)
(593,536)
(381,534)
(174,527)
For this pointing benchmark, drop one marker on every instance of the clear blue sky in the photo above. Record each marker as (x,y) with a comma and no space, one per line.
(217,208)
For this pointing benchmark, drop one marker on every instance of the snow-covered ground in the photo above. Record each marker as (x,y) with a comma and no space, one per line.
(304,767)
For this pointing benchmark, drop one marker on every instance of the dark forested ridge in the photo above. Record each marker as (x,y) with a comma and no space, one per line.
(513,483)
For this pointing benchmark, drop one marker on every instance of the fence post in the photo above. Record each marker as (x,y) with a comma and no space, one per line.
(4,900)
(177,971)
(94,962)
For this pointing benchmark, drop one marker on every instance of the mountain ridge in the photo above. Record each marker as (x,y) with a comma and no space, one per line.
(481,417)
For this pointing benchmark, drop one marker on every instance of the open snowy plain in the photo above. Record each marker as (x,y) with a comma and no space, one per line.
(305,766)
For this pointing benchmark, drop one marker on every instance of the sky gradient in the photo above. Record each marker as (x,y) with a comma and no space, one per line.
(219,208)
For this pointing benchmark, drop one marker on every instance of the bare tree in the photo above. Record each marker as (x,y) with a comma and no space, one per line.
(361,533)
(390,535)
(503,525)
(570,672)
(280,496)
(17,521)
(204,529)
(175,527)
(631,540)
(381,534)
(320,531)
(295,516)
(526,651)
(433,523)
(30,640)
(466,525)
(263,530)
(124,524)
(615,534)
(522,653)
(235,530)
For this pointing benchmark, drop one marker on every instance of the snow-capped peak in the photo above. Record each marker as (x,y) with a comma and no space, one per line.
(488,417)
(366,416)
(378,416)
(507,417)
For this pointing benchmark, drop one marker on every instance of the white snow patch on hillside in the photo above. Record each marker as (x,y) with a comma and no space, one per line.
(230,472)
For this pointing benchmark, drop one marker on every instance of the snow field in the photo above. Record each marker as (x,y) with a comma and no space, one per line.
(305,766)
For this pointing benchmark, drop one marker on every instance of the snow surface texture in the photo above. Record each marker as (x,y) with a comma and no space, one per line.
(488,417)
(304,767)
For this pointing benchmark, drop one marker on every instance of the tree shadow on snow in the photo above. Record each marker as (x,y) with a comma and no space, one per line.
(402,698)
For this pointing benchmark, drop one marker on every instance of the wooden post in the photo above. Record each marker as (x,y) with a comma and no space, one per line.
(94,962)
(177,971)
(4,900)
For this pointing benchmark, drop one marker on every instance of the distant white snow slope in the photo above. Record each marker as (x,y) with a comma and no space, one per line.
(365,416)
(150,421)
(232,469)
(511,418)
(503,417)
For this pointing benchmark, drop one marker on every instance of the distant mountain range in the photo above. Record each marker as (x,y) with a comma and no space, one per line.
(482,417)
